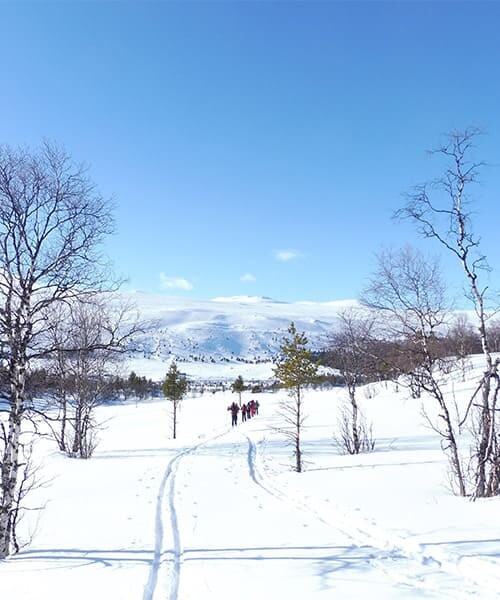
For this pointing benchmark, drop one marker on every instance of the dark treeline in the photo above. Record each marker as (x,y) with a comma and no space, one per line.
(389,359)
(42,383)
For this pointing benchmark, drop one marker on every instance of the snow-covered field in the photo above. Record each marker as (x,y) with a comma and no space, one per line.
(219,514)
(156,368)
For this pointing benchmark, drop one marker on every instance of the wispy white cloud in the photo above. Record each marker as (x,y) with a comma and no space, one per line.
(174,283)
(248,278)
(286,255)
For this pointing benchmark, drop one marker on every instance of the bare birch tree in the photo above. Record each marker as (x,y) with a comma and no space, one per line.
(462,341)
(89,337)
(52,220)
(409,292)
(350,350)
(442,211)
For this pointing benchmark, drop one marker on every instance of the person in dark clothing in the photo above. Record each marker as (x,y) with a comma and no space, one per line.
(256,407)
(234,408)
(243,413)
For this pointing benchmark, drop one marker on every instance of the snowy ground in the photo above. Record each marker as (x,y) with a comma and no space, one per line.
(156,369)
(220,514)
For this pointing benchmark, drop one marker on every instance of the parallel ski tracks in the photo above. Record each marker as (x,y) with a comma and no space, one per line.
(158,554)
(172,557)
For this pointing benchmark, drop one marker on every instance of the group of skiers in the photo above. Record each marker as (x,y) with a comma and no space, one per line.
(248,410)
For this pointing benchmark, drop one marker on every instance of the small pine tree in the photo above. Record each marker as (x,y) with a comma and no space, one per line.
(295,369)
(238,386)
(174,388)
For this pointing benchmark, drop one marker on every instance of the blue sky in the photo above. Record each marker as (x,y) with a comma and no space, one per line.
(252,147)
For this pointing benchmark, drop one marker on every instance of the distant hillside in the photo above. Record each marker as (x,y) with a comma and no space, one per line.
(244,328)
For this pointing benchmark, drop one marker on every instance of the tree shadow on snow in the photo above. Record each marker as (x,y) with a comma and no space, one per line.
(80,557)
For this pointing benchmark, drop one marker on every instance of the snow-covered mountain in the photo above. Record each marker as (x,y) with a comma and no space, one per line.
(245,328)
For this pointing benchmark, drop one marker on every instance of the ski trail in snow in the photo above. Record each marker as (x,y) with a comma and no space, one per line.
(177,550)
(391,553)
(169,477)
(150,587)
(259,479)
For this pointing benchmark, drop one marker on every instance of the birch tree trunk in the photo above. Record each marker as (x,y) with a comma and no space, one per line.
(441,210)
(51,222)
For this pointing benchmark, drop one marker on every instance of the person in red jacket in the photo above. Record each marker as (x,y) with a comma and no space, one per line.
(234,408)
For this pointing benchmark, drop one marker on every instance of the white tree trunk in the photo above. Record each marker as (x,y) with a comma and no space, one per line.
(10,461)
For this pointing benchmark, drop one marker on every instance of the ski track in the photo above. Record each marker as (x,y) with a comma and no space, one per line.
(390,551)
(150,587)
(176,552)
(387,551)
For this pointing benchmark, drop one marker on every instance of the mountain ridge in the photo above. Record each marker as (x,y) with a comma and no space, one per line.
(248,328)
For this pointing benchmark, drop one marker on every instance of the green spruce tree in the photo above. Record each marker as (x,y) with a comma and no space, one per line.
(174,388)
(239,386)
(295,369)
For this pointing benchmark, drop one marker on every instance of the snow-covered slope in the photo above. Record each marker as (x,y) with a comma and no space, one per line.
(218,514)
(247,328)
